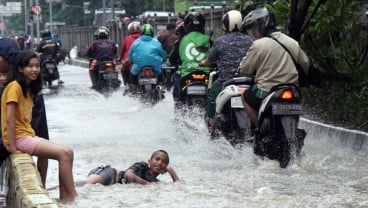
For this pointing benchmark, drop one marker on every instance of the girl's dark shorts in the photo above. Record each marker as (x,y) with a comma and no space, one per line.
(251,99)
(107,173)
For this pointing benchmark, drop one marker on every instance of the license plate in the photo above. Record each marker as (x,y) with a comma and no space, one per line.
(197,90)
(50,66)
(287,109)
(110,76)
(143,81)
(236,102)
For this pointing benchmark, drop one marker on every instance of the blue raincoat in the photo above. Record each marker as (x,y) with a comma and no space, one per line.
(146,51)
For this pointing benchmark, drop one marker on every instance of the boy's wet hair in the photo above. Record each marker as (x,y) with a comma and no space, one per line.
(162,151)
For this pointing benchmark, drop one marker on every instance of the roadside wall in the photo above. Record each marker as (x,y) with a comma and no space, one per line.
(22,184)
(356,140)
(82,37)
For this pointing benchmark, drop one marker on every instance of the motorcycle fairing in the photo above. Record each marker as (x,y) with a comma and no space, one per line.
(225,95)
(264,105)
(107,70)
(194,84)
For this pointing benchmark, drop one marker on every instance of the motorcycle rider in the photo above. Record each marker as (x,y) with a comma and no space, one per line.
(226,52)
(168,37)
(48,47)
(194,47)
(102,49)
(174,57)
(146,51)
(134,29)
(268,60)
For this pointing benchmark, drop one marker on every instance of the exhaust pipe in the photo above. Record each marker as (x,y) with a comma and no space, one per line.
(159,91)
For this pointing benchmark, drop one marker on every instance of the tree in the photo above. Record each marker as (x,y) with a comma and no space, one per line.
(332,31)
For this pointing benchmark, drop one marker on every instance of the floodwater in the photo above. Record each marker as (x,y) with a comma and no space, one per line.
(119,130)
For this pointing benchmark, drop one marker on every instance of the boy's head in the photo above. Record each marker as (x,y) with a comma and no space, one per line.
(159,161)
(8,54)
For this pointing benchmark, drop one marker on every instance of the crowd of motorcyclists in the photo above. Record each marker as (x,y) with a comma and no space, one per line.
(250,46)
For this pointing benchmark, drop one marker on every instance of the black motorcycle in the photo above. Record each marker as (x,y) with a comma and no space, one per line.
(193,90)
(49,70)
(148,84)
(278,137)
(107,76)
(168,74)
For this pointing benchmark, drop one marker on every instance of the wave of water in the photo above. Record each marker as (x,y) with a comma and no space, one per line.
(119,130)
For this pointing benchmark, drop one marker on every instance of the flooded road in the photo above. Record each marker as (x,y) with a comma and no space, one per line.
(119,130)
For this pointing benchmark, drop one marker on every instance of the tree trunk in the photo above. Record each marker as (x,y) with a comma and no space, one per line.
(298,12)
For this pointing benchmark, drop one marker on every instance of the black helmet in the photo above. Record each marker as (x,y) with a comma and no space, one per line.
(46,34)
(194,21)
(262,18)
(232,21)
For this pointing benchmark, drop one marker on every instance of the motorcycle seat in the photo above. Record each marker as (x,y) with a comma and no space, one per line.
(238,81)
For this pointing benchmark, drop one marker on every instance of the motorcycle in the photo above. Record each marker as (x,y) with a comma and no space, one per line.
(148,84)
(107,76)
(231,121)
(49,70)
(168,74)
(193,90)
(278,137)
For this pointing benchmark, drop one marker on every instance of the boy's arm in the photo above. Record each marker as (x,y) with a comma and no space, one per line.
(172,173)
(130,176)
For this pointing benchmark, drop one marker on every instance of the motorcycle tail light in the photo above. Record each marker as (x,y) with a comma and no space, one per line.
(147,72)
(198,76)
(241,90)
(108,64)
(287,95)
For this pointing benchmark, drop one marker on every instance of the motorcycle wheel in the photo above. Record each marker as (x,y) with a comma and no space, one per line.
(270,142)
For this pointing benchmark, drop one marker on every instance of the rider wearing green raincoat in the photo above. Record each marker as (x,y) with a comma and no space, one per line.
(194,48)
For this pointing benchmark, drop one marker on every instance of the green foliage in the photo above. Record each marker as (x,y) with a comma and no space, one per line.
(340,103)
(340,34)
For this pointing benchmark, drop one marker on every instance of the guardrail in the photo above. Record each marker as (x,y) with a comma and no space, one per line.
(82,36)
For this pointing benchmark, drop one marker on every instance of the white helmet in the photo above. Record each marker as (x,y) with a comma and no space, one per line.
(103,32)
(134,27)
(232,21)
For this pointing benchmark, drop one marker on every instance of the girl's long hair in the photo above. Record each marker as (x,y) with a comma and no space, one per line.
(23,60)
